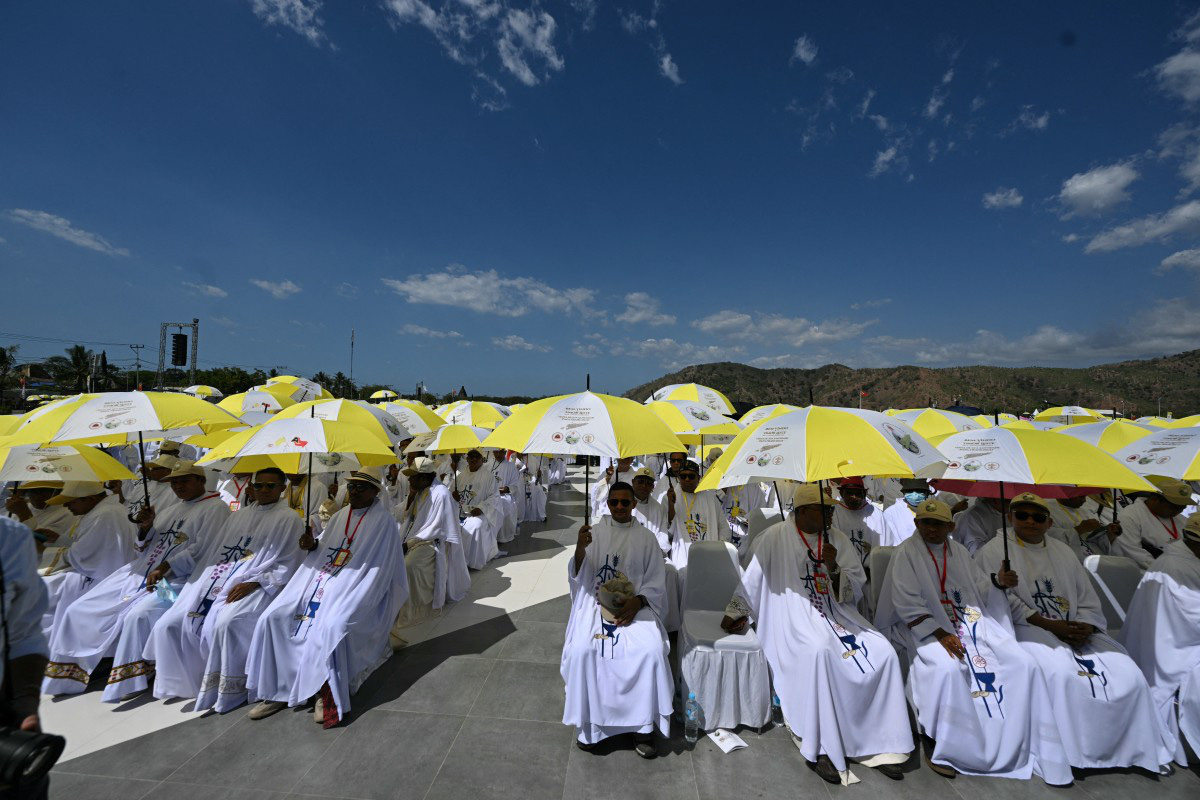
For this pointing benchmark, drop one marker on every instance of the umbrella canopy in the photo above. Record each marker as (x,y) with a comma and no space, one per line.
(244,402)
(766,412)
(383,394)
(1186,422)
(1014,455)
(1109,436)
(1158,422)
(301,444)
(478,414)
(9,423)
(28,462)
(1034,425)
(1067,415)
(695,423)
(585,424)
(354,412)
(820,442)
(415,417)
(296,393)
(989,420)
(449,439)
(695,392)
(446,408)
(311,389)
(1171,453)
(200,390)
(120,417)
(937,421)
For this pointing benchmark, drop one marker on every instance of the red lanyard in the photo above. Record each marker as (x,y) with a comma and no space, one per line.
(945,565)
(820,542)
(241,487)
(1173,530)
(349,537)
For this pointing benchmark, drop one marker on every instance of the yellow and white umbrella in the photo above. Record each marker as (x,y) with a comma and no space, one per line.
(1109,436)
(1034,425)
(478,414)
(449,439)
(28,462)
(383,394)
(296,392)
(1185,422)
(446,408)
(301,444)
(1171,453)
(354,412)
(766,412)
(937,421)
(200,390)
(695,392)
(987,421)
(414,417)
(9,423)
(245,402)
(1068,415)
(820,442)
(1158,422)
(695,423)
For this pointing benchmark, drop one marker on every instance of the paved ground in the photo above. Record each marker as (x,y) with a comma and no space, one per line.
(472,709)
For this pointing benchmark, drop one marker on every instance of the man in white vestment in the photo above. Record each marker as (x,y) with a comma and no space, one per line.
(507,476)
(614,660)
(1162,634)
(669,480)
(1099,698)
(100,541)
(235,489)
(898,518)
(1092,523)
(200,515)
(298,496)
(92,626)
(427,524)
(697,516)
(535,486)
(327,631)
(200,643)
(620,472)
(837,678)
(161,497)
(656,518)
(49,523)
(981,702)
(976,526)
(859,517)
(473,486)
(738,502)
(1152,521)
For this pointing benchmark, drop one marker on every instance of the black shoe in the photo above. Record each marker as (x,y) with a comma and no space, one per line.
(645,746)
(940,769)
(825,769)
(584,746)
(892,771)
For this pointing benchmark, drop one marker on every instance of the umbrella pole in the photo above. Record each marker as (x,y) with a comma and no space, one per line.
(1004,526)
(824,524)
(587,491)
(779,499)
(145,480)
(308,486)
(1114,491)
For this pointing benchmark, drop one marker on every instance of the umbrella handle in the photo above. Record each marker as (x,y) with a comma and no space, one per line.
(1004,525)
(145,480)
(312,413)
(587,493)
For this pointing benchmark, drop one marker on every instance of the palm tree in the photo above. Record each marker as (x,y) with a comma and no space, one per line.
(73,369)
(8,361)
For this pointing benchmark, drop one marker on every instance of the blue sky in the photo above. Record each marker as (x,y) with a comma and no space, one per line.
(509,195)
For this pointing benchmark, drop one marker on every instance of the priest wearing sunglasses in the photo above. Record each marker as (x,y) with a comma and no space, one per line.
(1100,700)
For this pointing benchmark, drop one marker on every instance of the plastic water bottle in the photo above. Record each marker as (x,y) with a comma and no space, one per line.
(776,710)
(693,719)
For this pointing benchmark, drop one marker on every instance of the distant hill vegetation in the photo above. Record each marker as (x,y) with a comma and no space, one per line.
(1131,387)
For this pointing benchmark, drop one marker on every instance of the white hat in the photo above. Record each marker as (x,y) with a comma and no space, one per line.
(73,490)
(421,466)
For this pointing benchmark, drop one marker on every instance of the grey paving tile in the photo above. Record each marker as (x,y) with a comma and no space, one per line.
(1120,784)
(384,754)
(260,754)
(483,639)
(768,767)
(614,770)
(69,786)
(520,690)
(555,610)
(979,788)
(129,760)
(499,759)
(187,791)
(535,641)
(432,683)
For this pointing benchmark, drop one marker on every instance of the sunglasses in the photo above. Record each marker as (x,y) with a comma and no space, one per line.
(828,510)
(1036,516)
(357,487)
(264,485)
(619,502)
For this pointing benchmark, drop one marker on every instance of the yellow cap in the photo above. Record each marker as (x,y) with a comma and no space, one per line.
(183,468)
(809,494)
(39,485)
(1191,529)
(73,490)
(1030,499)
(644,472)
(1175,492)
(934,509)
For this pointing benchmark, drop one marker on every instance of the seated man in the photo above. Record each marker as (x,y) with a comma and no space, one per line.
(859,517)
(980,523)
(327,631)
(1092,523)
(898,517)
(657,519)
(99,543)
(1151,522)
(509,482)
(1162,634)
(473,486)
(980,700)
(249,560)
(48,522)
(620,471)
(837,678)
(133,492)
(1100,699)
(614,660)
(89,629)
(695,516)
(429,520)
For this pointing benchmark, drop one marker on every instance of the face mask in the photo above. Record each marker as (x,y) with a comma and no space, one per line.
(914,499)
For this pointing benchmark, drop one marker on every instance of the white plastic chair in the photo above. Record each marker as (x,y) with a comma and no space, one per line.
(728,672)
(878,561)
(757,521)
(1115,579)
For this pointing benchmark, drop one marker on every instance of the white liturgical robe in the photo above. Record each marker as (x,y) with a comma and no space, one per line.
(1139,524)
(863,526)
(473,488)
(898,523)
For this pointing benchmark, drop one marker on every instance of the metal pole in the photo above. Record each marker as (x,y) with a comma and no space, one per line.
(195,348)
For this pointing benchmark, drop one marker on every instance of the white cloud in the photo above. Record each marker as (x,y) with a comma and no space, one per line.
(208,290)
(1183,219)
(881,122)
(1003,198)
(298,15)
(805,49)
(667,352)
(887,159)
(527,37)
(865,105)
(642,308)
(277,289)
(514,342)
(224,322)
(1182,142)
(488,292)
(936,100)
(410,329)
(1096,191)
(669,69)
(1180,75)
(61,228)
(347,291)
(883,301)
(1185,259)
(1030,120)
(778,329)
